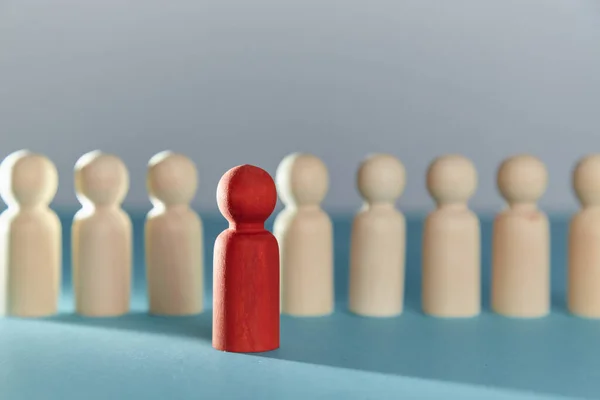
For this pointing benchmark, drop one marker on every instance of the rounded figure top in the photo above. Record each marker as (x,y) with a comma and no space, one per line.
(246,195)
(302,180)
(522,179)
(28,179)
(101,179)
(586,180)
(172,179)
(451,179)
(381,178)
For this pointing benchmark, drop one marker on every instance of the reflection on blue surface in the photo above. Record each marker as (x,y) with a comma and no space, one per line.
(557,355)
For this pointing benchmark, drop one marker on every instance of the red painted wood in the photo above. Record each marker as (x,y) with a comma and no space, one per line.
(246,264)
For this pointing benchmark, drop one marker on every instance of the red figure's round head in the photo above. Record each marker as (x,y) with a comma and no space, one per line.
(246,195)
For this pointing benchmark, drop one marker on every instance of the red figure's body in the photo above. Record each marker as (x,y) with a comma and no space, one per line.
(246,265)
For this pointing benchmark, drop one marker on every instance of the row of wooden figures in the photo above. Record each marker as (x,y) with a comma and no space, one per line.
(30,258)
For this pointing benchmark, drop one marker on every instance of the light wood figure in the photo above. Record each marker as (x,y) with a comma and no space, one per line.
(451,286)
(173,236)
(583,293)
(101,237)
(30,237)
(305,236)
(378,240)
(521,241)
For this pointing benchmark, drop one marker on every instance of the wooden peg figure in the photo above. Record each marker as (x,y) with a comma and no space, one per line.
(173,237)
(246,264)
(101,237)
(521,241)
(583,292)
(305,236)
(30,238)
(451,286)
(378,240)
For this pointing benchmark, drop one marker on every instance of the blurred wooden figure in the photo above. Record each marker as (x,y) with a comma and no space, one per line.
(31,237)
(521,241)
(101,237)
(305,236)
(378,240)
(583,293)
(173,237)
(451,241)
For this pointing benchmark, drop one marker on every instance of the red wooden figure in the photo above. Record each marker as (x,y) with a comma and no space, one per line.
(246,264)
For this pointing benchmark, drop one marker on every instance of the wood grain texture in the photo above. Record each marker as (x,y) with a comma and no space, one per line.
(246,292)
(246,265)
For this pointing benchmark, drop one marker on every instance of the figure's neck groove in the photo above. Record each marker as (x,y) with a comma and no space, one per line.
(304,207)
(457,206)
(379,205)
(28,207)
(177,207)
(106,207)
(522,206)
(247,226)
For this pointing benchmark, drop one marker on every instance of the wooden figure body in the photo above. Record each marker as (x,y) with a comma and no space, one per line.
(246,265)
(101,237)
(583,290)
(173,238)
(378,240)
(30,237)
(521,242)
(451,257)
(305,236)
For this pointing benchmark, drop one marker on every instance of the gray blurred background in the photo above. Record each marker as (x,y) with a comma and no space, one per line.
(229,82)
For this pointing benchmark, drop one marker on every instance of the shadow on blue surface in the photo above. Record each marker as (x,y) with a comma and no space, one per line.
(555,355)
(194,327)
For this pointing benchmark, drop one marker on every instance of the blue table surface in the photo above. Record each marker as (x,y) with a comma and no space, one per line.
(338,357)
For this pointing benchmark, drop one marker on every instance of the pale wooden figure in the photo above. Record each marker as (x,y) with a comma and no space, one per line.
(101,237)
(378,240)
(305,236)
(451,286)
(583,293)
(30,237)
(173,237)
(521,241)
